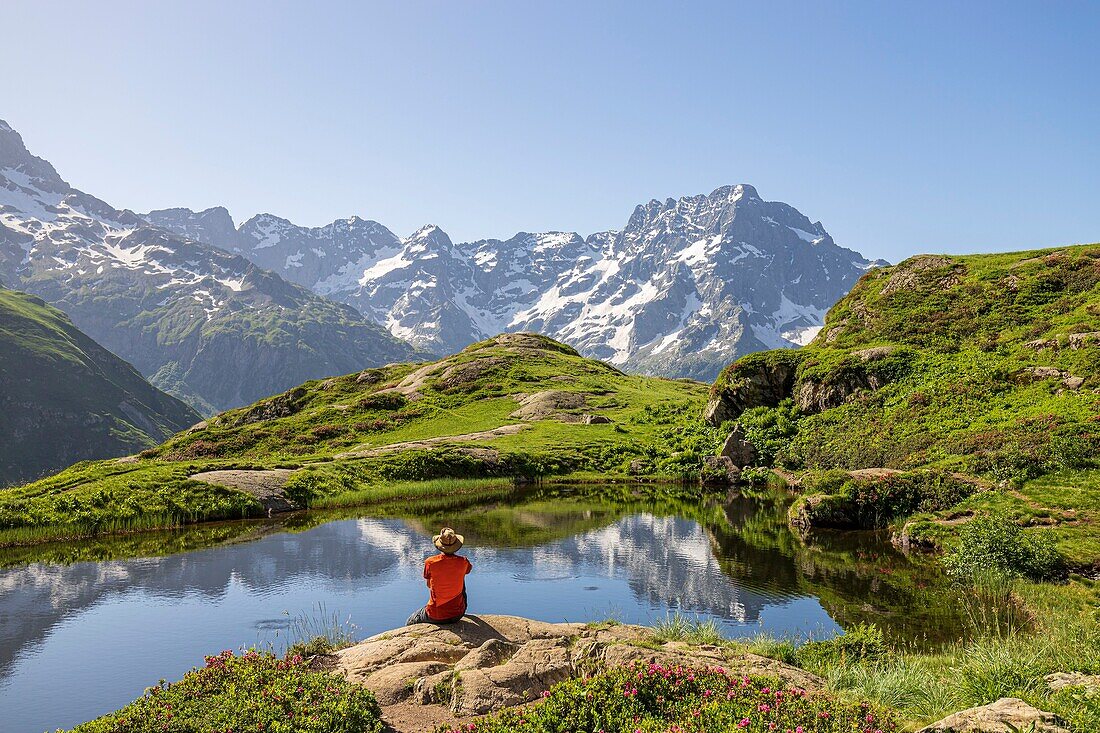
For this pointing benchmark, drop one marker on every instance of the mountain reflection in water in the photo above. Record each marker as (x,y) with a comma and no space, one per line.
(104,630)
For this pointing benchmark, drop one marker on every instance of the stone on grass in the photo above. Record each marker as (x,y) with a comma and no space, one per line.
(997,717)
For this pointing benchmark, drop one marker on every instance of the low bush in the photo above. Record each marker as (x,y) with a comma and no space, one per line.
(658,698)
(251,692)
(992,542)
(383,401)
(873,502)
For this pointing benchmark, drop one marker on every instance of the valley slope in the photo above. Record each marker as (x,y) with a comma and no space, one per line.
(64,398)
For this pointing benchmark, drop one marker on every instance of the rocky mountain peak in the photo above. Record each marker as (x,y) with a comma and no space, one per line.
(211,226)
(20,170)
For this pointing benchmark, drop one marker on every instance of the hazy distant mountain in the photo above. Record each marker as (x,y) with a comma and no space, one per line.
(210,327)
(685,287)
(64,398)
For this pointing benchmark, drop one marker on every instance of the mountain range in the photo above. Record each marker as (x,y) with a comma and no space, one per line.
(220,315)
(683,288)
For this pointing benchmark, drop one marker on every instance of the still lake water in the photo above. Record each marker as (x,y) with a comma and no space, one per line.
(78,639)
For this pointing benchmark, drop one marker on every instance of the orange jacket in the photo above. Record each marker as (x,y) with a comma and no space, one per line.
(446,576)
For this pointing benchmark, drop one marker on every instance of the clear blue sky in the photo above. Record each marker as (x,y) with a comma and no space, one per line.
(902,126)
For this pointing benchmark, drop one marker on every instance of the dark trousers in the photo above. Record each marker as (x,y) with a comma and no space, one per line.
(422,617)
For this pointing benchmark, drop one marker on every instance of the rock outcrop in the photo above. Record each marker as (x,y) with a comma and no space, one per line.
(997,717)
(265,485)
(816,395)
(486,663)
(759,380)
(1060,680)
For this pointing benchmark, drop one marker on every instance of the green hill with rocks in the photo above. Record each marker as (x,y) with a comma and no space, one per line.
(516,406)
(938,388)
(64,398)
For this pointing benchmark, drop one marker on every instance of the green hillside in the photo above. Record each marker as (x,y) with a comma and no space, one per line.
(64,398)
(517,405)
(983,366)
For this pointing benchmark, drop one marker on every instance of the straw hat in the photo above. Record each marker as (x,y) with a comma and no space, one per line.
(448,541)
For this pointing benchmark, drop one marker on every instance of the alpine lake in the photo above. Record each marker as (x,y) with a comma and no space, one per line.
(86,626)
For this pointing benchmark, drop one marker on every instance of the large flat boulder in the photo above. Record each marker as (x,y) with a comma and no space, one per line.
(486,663)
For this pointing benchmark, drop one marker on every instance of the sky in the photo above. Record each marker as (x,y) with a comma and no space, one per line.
(903,127)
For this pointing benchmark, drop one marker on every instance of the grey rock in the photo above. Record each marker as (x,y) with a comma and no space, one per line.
(1060,680)
(996,718)
(1081,340)
(719,471)
(738,449)
(486,663)
(763,384)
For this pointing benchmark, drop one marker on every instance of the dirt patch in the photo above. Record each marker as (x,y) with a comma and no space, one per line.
(412,382)
(267,486)
(874,472)
(432,442)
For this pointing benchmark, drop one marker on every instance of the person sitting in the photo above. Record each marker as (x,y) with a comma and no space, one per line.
(445,575)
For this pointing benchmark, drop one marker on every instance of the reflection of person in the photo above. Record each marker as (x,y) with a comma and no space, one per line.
(445,574)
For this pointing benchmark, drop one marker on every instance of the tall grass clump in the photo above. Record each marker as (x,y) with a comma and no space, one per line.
(319,632)
(678,627)
(408,490)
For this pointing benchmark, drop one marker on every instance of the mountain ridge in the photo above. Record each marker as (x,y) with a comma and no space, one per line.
(208,326)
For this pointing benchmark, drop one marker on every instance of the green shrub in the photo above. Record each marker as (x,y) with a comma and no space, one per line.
(859,643)
(252,692)
(658,698)
(770,429)
(992,542)
(756,475)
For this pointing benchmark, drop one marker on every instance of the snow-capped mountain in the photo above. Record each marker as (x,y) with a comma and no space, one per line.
(683,289)
(210,327)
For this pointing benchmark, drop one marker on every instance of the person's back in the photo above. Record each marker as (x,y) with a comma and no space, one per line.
(445,575)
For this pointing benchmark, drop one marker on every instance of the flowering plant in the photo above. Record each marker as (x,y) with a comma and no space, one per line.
(646,699)
(248,692)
